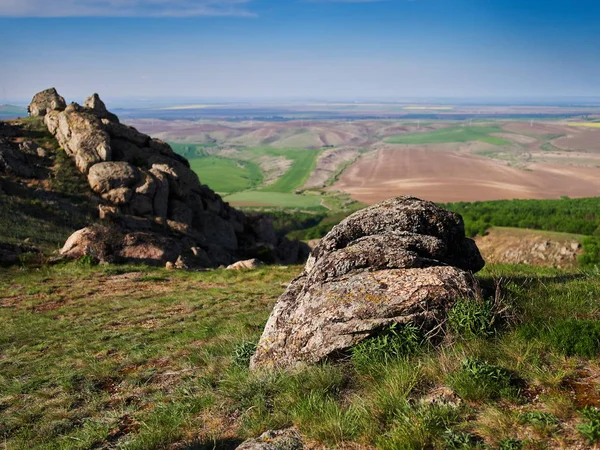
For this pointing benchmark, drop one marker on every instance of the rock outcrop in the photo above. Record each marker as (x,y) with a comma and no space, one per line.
(46,101)
(151,197)
(402,261)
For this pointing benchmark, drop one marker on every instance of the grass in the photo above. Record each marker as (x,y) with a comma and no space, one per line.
(276,199)
(143,358)
(584,124)
(226,175)
(303,164)
(452,134)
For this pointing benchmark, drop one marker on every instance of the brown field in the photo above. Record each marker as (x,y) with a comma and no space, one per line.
(580,139)
(451,176)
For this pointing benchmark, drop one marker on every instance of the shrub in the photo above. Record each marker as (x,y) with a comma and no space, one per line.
(390,344)
(590,428)
(591,252)
(480,380)
(472,317)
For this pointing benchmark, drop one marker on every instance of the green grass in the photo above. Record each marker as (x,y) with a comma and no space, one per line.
(304,162)
(452,134)
(277,199)
(143,358)
(226,175)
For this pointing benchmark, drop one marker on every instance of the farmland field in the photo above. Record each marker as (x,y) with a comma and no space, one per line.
(226,175)
(370,160)
(452,134)
(279,199)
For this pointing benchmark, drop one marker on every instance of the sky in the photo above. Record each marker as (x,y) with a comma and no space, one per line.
(351,50)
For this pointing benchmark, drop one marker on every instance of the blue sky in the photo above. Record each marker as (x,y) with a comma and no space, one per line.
(299,49)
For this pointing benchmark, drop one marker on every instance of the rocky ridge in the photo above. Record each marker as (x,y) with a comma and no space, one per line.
(152,206)
(401,261)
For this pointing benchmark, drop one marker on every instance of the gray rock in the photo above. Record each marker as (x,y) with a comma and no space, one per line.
(248,264)
(274,440)
(46,101)
(99,108)
(106,176)
(402,261)
(81,135)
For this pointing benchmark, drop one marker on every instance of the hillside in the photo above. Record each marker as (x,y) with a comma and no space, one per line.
(141,358)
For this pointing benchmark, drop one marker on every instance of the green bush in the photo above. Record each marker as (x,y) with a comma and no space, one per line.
(538,418)
(390,344)
(480,380)
(591,427)
(591,252)
(472,317)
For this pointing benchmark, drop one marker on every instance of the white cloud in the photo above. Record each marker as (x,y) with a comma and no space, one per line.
(123,8)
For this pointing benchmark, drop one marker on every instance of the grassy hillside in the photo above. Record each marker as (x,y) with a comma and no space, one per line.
(452,134)
(140,358)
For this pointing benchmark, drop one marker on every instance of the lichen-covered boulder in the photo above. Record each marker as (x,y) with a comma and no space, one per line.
(274,440)
(402,261)
(46,101)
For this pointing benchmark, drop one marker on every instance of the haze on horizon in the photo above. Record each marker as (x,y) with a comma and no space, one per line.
(300,49)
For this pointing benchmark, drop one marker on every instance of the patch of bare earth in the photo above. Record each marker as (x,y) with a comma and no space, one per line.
(452,176)
(328,164)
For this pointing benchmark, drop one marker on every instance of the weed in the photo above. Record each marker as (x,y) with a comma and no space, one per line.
(479,380)
(538,418)
(242,353)
(591,427)
(390,344)
(510,444)
(472,317)
(460,440)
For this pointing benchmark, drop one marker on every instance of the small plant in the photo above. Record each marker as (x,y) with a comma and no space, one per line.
(479,380)
(538,418)
(510,444)
(87,261)
(242,353)
(460,440)
(591,427)
(392,343)
(472,317)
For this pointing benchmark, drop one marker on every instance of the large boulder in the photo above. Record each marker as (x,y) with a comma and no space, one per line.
(115,245)
(46,101)
(401,261)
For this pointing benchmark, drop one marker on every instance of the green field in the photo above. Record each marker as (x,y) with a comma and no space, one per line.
(279,199)
(296,176)
(226,175)
(452,134)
